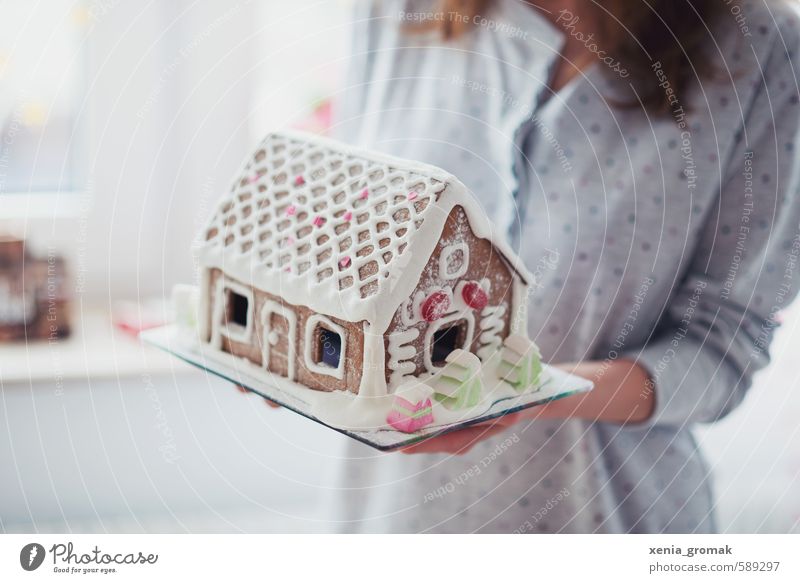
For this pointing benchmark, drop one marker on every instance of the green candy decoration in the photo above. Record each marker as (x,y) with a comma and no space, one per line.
(458,385)
(521,363)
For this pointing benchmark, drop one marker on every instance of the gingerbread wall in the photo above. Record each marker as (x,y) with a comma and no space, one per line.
(354,332)
(485,262)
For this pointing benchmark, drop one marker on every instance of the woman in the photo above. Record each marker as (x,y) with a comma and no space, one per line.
(642,163)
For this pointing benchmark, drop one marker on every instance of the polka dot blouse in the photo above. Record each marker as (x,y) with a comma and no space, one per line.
(671,240)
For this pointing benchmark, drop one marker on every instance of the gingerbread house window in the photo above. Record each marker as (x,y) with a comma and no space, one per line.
(329,347)
(454,261)
(238,305)
(238,312)
(326,345)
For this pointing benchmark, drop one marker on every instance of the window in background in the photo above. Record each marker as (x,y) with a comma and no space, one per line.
(42,89)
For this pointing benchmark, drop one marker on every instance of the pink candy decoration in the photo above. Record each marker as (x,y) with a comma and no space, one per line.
(348,216)
(412,195)
(299,180)
(364,194)
(344,261)
(318,221)
(291,210)
(409,417)
(256,177)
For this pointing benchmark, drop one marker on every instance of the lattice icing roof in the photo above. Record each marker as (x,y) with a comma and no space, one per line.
(342,231)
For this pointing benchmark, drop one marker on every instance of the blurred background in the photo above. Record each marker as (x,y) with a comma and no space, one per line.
(121,124)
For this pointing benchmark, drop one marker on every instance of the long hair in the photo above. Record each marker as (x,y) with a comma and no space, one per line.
(639,33)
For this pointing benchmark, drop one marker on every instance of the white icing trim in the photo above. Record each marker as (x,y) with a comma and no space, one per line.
(345,410)
(373,373)
(413,317)
(204,312)
(311,338)
(216,316)
(444,260)
(440,323)
(234,332)
(272,307)
(400,355)
(491,326)
(519,308)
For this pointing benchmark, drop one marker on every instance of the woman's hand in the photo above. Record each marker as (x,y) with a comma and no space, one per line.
(623,393)
(463,440)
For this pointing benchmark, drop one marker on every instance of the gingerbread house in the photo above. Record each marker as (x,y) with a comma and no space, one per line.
(342,269)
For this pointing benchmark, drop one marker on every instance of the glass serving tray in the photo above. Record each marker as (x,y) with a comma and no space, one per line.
(556,384)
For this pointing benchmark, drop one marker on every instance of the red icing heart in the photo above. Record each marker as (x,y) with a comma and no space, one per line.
(435,306)
(474,295)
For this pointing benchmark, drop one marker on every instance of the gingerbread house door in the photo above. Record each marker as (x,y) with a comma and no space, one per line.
(280,339)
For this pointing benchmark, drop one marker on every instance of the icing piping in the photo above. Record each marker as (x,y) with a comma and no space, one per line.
(273,307)
(444,260)
(204,308)
(400,355)
(373,376)
(491,327)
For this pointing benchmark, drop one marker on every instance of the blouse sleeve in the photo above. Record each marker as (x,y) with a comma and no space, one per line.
(716,332)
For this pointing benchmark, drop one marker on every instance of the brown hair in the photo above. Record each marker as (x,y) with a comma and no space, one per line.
(639,33)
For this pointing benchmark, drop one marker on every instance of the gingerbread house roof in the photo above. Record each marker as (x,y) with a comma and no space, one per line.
(343,231)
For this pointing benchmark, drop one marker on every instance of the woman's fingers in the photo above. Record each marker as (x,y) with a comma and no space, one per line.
(456,442)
